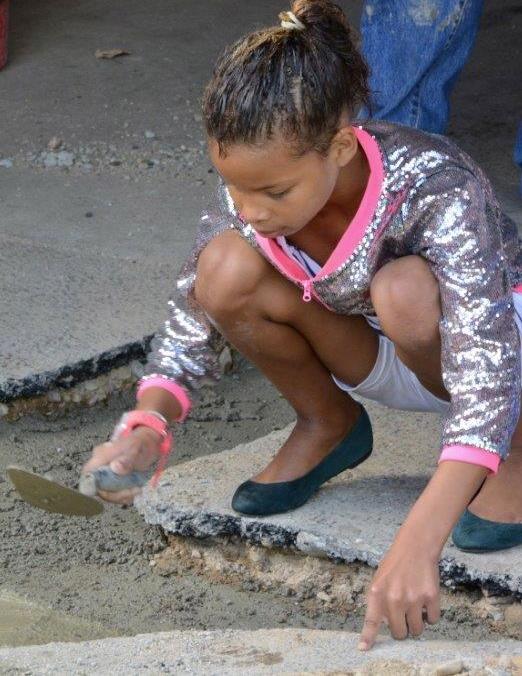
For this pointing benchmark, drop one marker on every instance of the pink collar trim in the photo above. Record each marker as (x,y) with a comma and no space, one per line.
(357,227)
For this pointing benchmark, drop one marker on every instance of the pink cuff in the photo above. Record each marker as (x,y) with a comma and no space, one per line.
(471,455)
(517,288)
(157,380)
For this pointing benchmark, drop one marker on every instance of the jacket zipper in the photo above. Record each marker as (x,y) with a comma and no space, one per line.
(307,290)
(307,284)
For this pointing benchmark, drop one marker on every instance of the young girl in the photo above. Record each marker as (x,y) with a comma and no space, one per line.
(346,258)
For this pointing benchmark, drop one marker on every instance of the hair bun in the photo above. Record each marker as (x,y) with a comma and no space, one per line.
(322,15)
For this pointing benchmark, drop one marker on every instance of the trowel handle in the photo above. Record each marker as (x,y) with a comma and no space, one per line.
(104,479)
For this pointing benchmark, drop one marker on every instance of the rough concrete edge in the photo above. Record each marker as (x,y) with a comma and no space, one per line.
(432,658)
(71,374)
(177,521)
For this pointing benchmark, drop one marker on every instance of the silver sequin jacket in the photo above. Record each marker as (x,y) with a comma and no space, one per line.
(434,202)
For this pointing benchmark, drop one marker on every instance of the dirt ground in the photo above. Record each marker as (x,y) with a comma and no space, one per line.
(93,578)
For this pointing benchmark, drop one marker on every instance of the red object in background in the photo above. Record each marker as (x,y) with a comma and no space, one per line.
(4,26)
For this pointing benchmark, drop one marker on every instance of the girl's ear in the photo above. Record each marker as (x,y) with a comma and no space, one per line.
(344,146)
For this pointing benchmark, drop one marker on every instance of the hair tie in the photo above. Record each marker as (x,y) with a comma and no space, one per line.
(291,22)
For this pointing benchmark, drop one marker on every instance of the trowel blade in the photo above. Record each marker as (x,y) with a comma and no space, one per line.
(52,496)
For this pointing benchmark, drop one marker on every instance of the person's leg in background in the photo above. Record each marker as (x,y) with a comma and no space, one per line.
(415,50)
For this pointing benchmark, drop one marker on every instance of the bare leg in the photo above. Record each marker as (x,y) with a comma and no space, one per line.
(406,298)
(295,344)
(500,498)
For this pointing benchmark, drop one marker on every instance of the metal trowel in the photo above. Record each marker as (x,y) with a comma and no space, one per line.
(53,497)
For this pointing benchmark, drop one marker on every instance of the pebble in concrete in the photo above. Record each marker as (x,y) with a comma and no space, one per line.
(63,158)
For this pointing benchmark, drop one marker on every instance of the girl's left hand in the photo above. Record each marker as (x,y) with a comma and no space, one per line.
(403,593)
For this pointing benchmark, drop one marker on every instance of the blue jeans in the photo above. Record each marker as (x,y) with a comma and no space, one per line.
(415,50)
(517,154)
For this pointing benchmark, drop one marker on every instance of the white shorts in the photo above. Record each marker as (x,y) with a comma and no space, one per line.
(391,383)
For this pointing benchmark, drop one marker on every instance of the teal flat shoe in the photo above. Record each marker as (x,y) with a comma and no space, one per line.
(477,535)
(258,499)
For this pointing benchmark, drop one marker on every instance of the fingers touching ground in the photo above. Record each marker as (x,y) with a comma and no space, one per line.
(403,618)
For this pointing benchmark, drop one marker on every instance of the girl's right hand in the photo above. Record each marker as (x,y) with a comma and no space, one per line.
(138,451)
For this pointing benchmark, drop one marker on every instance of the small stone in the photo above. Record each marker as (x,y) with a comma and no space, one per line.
(149,134)
(323,596)
(55,143)
(195,554)
(65,159)
(88,214)
(500,600)
(152,563)
(54,396)
(256,555)
(4,410)
(49,159)
(513,617)
(7,163)
(449,668)
(225,360)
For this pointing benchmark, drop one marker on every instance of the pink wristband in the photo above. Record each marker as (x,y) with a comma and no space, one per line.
(173,388)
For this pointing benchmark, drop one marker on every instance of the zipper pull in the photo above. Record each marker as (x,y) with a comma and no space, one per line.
(307,290)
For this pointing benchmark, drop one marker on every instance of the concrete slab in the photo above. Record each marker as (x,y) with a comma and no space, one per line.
(89,250)
(73,301)
(268,651)
(79,302)
(352,518)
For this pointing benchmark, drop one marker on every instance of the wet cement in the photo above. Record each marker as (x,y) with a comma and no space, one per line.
(99,568)
(25,623)
(97,572)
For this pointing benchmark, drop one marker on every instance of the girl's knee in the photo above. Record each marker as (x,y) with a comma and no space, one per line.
(404,285)
(405,295)
(228,273)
